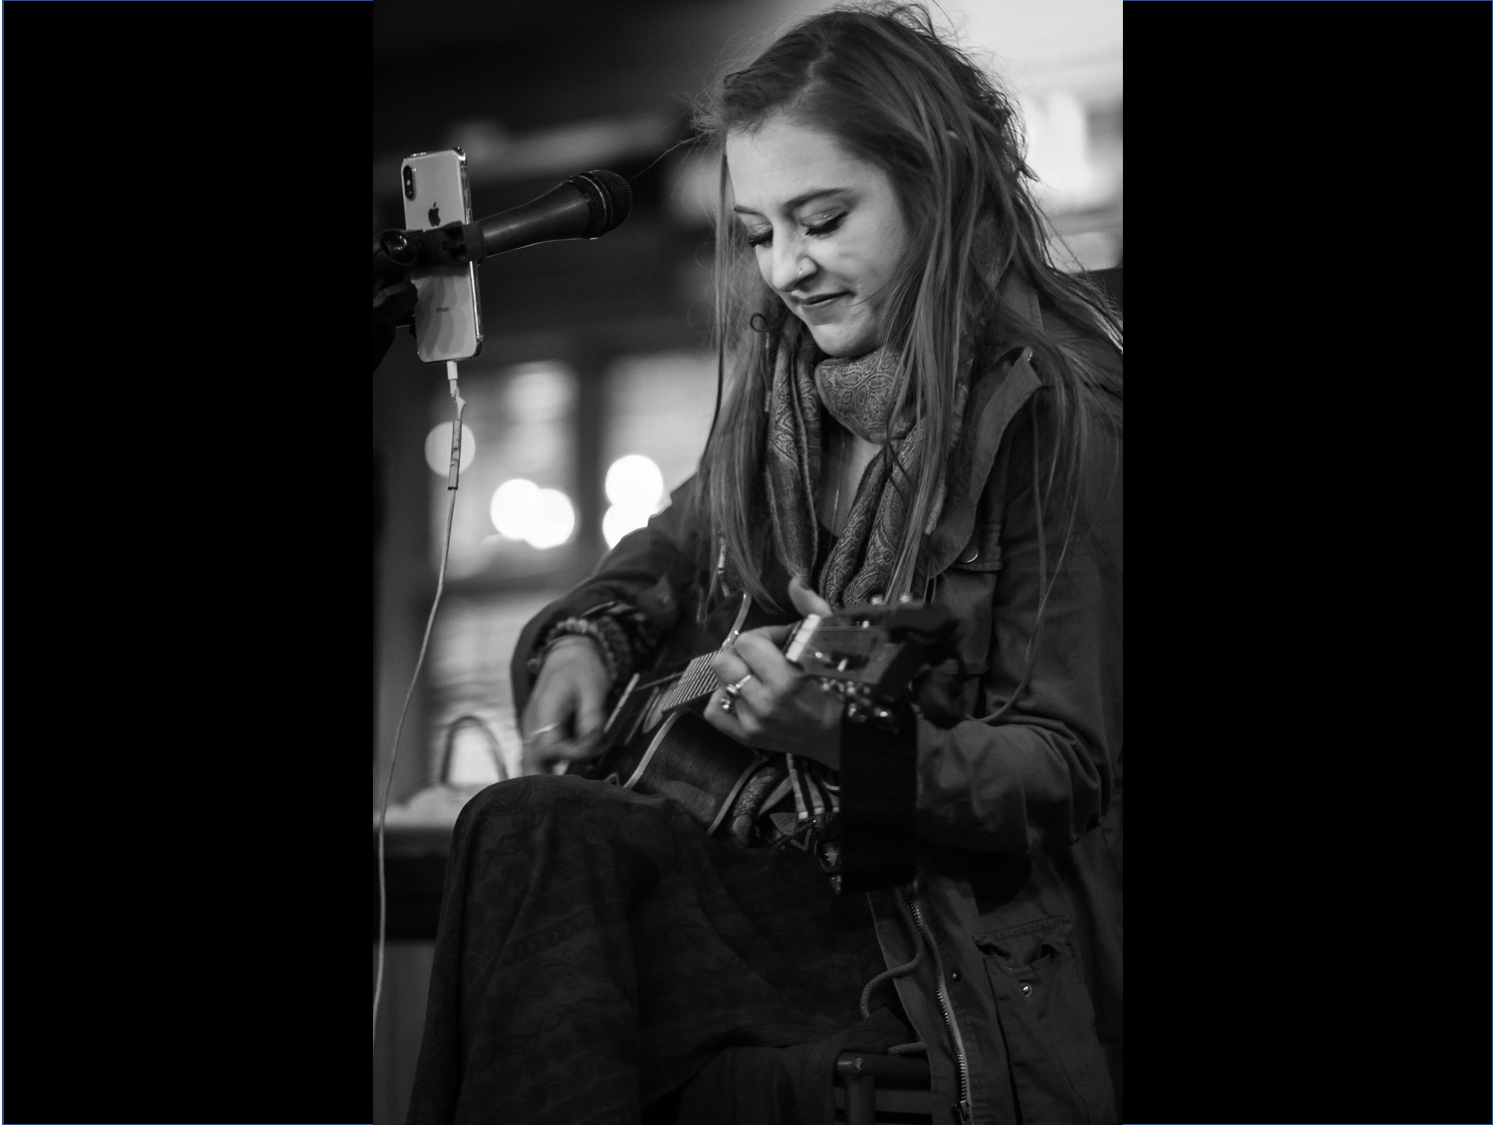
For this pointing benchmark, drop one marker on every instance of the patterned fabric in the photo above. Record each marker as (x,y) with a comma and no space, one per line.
(596,949)
(799,807)
(860,565)
(859,392)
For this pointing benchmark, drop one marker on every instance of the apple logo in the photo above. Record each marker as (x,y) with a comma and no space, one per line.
(435,214)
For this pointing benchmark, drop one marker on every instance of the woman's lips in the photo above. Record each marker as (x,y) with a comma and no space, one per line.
(814,305)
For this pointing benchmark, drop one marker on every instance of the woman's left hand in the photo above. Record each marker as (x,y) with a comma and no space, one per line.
(778,707)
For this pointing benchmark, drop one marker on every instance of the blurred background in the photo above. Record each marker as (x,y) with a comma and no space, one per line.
(595,386)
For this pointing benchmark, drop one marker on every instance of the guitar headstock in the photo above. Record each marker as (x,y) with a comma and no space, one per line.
(871,653)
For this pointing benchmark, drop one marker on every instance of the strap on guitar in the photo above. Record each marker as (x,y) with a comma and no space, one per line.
(878,798)
(879,753)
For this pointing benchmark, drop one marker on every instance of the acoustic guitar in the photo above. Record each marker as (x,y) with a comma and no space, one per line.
(656,740)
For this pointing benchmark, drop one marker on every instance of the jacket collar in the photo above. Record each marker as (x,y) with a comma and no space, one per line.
(996,396)
(1017,296)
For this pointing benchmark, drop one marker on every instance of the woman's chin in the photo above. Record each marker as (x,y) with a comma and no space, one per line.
(842,342)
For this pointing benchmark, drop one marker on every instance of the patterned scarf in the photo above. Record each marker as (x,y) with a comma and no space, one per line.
(859,393)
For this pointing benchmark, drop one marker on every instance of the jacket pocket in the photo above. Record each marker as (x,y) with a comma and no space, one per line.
(1047,1020)
(967,588)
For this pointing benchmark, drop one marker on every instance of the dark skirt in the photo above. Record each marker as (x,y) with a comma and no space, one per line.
(598,953)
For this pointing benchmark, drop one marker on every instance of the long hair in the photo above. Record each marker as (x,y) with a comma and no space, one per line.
(894,93)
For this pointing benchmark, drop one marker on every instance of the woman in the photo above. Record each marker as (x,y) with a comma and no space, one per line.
(916,404)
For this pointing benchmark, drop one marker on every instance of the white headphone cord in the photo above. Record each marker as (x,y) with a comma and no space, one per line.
(383,810)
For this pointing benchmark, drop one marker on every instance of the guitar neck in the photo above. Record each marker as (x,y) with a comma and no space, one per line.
(696,680)
(650,702)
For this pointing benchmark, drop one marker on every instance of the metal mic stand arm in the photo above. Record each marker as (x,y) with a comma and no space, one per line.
(454,244)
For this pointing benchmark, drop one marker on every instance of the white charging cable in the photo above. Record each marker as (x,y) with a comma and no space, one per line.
(383,809)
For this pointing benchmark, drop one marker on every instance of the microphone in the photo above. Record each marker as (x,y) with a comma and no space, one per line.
(585,206)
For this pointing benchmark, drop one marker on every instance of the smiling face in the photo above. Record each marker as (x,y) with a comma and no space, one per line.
(827,229)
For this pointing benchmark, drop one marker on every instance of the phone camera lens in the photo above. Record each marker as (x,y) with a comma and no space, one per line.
(409,182)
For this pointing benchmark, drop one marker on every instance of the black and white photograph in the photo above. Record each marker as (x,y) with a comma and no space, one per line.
(747,669)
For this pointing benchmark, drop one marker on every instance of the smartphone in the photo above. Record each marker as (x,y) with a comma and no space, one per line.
(448,315)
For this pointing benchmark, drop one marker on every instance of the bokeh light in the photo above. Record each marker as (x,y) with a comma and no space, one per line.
(635,486)
(516,507)
(556,520)
(541,517)
(634,481)
(438,448)
(619,521)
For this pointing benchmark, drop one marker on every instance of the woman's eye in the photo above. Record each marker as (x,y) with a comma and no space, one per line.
(762,237)
(826,225)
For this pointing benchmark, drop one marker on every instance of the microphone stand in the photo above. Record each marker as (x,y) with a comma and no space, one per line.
(454,244)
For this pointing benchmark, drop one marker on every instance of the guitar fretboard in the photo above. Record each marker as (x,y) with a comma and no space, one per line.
(697,679)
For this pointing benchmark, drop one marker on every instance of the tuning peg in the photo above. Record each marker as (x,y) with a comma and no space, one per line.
(855,712)
(881,715)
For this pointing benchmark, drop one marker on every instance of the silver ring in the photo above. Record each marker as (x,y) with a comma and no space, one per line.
(734,690)
(544,730)
(728,704)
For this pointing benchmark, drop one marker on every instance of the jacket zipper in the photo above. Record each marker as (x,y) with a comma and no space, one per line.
(946,1007)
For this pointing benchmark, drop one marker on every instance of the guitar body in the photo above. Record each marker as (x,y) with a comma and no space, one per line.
(659,744)
(687,760)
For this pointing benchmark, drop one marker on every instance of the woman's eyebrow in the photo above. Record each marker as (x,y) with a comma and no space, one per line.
(796,202)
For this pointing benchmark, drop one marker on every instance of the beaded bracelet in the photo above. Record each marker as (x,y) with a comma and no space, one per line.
(605,632)
(575,627)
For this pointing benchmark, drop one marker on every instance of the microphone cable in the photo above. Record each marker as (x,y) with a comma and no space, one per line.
(383,810)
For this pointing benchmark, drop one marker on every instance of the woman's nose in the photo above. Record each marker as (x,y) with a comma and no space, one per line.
(789,266)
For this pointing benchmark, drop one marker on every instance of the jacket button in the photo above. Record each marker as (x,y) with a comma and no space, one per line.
(1026,990)
(971,553)
(956,975)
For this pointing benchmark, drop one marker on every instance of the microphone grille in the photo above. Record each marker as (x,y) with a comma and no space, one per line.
(609,197)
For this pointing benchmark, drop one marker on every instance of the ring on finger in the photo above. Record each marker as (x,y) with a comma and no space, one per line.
(728,702)
(734,690)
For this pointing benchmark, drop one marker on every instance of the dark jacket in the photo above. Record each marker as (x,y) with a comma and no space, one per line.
(1017,994)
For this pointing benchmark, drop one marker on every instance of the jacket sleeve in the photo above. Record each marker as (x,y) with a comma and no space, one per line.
(1045,772)
(653,569)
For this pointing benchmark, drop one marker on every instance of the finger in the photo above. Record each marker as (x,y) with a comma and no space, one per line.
(543,753)
(566,750)
(539,733)
(716,717)
(727,722)
(805,600)
(590,715)
(765,660)
(728,665)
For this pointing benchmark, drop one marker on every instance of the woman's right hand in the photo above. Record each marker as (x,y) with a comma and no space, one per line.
(567,708)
